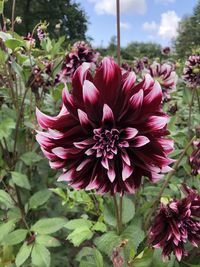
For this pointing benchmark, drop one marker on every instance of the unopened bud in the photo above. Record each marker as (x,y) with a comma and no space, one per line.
(197,131)
(18,20)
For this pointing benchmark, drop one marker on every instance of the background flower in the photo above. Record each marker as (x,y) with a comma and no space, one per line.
(191,71)
(177,223)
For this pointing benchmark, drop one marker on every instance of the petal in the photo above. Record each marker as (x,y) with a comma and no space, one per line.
(111,172)
(91,99)
(80,75)
(108,117)
(125,157)
(154,123)
(61,152)
(69,102)
(129,133)
(84,120)
(83,164)
(108,80)
(140,141)
(126,171)
(66,176)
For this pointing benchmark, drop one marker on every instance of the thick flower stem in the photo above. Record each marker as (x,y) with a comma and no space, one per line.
(118,31)
(13,15)
(165,184)
(117,213)
(120,212)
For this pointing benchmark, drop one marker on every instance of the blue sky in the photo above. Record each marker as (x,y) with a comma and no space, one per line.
(141,20)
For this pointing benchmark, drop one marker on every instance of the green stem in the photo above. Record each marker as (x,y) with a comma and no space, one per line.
(117,214)
(190,111)
(120,212)
(13,15)
(165,184)
(198,99)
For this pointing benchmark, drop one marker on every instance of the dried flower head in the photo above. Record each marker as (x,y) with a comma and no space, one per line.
(195,158)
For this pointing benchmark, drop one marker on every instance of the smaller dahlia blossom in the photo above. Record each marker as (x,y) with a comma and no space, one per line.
(138,66)
(81,52)
(191,71)
(110,131)
(166,51)
(176,223)
(30,39)
(166,76)
(41,33)
(195,159)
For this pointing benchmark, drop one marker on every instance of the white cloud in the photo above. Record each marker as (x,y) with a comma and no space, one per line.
(125,25)
(165,2)
(109,6)
(150,26)
(166,28)
(169,25)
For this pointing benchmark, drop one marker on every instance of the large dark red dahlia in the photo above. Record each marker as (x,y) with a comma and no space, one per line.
(191,71)
(81,52)
(195,159)
(177,223)
(110,131)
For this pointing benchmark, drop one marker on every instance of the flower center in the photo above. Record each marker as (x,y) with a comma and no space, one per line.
(107,142)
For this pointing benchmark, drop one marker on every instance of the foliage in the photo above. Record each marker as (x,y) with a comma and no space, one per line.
(73,25)
(47,223)
(188,33)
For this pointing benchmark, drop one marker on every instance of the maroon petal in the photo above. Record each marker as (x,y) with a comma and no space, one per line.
(110,73)
(108,117)
(140,141)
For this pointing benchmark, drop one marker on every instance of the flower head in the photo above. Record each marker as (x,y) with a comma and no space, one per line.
(110,131)
(30,39)
(166,51)
(195,159)
(81,52)
(176,223)
(191,71)
(166,76)
(138,65)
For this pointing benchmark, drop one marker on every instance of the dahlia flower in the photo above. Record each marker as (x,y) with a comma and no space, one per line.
(166,51)
(110,131)
(166,76)
(176,223)
(80,52)
(191,71)
(138,65)
(195,159)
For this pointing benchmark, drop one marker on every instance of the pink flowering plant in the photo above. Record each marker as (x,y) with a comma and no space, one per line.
(100,158)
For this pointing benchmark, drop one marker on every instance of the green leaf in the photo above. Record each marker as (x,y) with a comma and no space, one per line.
(79,235)
(21,180)
(99,226)
(30,158)
(134,234)
(98,258)
(47,241)
(14,43)
(6,200)
(6,228)
(5,36)
(15,237)
(128,211)
(23,254)
(40,256)
(76,223)
(157,259)
(39,198)
(6,127)
(144,259)
(48,226)
(107,242)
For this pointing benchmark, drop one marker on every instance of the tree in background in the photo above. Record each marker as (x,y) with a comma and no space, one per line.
(71,17)
(140,49)
(188,33)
